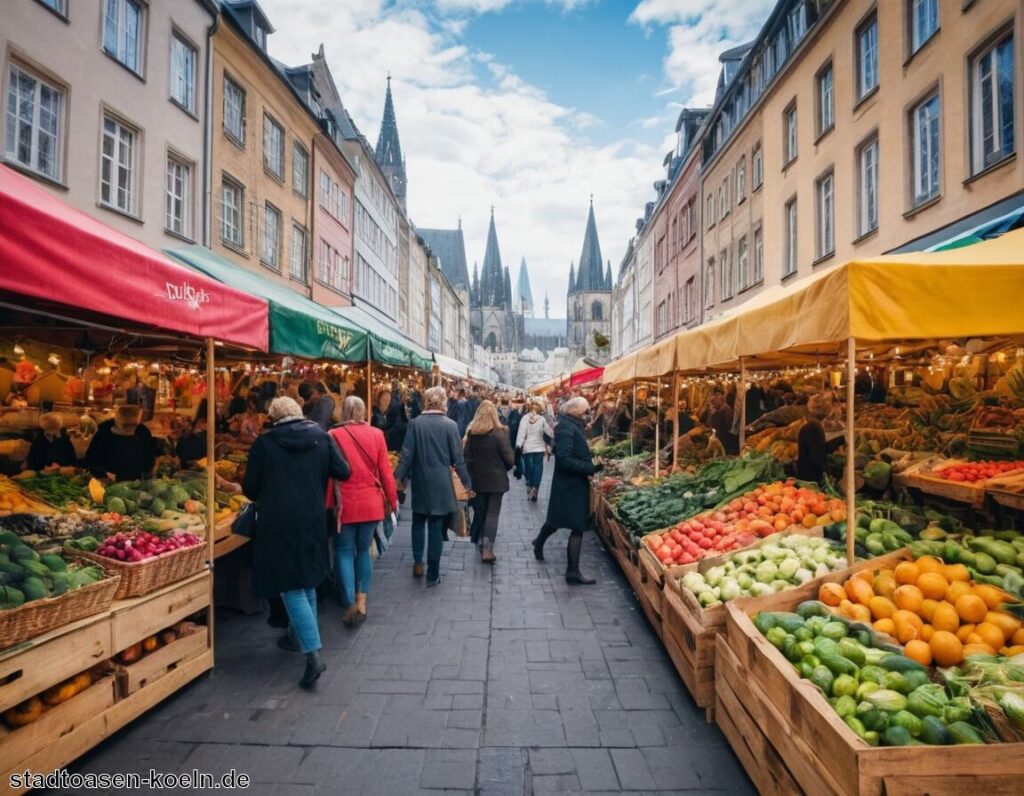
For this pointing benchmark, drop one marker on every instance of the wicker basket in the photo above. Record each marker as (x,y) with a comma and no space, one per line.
(142,577)
(40,616)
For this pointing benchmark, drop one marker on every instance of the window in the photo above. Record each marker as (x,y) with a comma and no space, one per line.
(35,111)
(826,100)
(741,263)
(711,210)
(797,22)
(597,311)
(183,73)
(689,300)
(261,37)
(756,168)
(725,268)
(789,256)
(122,32)
(741,180)
(334,199)
(992,104)
(924,22)
(270,243)
(924,119)
(867,56)
(60,6)
(273,147)
(790,141)
(825,210)
(300,169)
(178,203)
(867,188)
(692,223)
(709,284)
(232,229)
(723,200)
(234,110)
(297,260)
(117,166)
(758,257)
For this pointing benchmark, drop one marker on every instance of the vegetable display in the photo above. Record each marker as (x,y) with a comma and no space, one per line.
(995,558)
(972,472)
(32,708)
(58,489)
(25,575)
(132,547)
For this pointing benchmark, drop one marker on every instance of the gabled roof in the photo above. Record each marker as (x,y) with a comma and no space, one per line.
(449,246)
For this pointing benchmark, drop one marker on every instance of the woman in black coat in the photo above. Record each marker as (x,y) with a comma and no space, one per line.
(287,473)
(489,457)
(52,445)
(569,506)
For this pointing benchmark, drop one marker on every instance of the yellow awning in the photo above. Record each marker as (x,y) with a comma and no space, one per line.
(656,360)
(620,371)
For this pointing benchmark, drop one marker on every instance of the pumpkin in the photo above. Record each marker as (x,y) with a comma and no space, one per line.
(81,681)
(150,643)
(25,713)
(131,654)
(61,692)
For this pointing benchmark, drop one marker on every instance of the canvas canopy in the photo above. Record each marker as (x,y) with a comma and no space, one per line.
(387,345)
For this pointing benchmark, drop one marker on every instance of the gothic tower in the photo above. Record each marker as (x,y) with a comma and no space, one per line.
(388,153)
(589,297)
(493,307)
(524,293)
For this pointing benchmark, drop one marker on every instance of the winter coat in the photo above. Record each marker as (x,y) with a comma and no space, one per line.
(45,452)
(321,412)
(286,476)
(812,452)
(489,457)
(531,433)
(128,458)
(570,485)
(393,423)
(432,448)
(515,417)
(366,453)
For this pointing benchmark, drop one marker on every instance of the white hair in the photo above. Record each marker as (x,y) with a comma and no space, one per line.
(282,408)
(435,398)
(575,406)
(353,409)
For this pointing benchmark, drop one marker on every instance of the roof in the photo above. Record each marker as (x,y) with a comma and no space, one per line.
(590,274)
(492,278)
(524,293)
(735,53)
(545,327)
(449,246)
(389,150)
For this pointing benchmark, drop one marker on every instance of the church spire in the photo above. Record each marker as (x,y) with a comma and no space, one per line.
(524,293)
(492,279)
(474,291)
(388,153)
(572,278)
(547,305)
(608,277)
(590,276)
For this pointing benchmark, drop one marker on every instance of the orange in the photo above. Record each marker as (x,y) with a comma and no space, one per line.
(932,585)
(884,583)
(908,597)
(956,573)
(990,594)
(1005,622)
(956,590)
(881,607)
(964,632)
(945,618)
(927,609)
(974,638)
(886,626)
(926,632)
(831,594)
(977,649)
(866,575)
(919,651)
(907,616)
(809,521)
(846,609)
(1016,649)
(861,613)
(1017,638)
(971,608)
(991,634)
(905,631)
(907,572)
(859,591)
(930,564)
(946,648)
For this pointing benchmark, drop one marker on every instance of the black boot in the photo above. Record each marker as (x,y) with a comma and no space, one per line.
(573,576)
(314,668)
(538,544)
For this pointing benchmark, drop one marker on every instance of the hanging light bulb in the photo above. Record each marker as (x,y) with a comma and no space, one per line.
(53,359)
(18,350)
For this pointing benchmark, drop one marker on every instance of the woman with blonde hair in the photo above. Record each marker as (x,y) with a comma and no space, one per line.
(533,441)
(489,457)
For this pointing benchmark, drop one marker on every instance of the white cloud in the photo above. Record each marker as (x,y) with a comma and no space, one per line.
(475,134)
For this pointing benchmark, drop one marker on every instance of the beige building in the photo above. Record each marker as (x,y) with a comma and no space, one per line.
(105,105)
(874,127)
(416,278)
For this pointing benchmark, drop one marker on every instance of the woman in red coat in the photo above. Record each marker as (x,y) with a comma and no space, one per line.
(366,496)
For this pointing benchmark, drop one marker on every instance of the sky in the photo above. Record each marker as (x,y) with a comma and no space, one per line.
(527,105)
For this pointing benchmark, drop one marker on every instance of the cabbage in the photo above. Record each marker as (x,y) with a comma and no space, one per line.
(714,575)
(779,585)
(745,581)
(802,575)
(730,589)
(820,554)
(789,567)
(761,589)
(707,598)
(766,572)
(821,569)
(773,552)
(693,580)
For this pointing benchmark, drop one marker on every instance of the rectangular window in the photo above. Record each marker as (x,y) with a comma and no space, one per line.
(35,117)
(178,204)
(711,210)
(741,180)
(273,147)
(789,226)
(723,199)
(924,22)
(232,229)
(234,110)
(60,6)
(825,211)
(742,269)
(692,224)
(689,301)
(924,120)
(867,56)
(300,169)
(867,188)
(183,73)
(297,260)
(122,32)
(790,141)
(270,243)
(756,167)
(117,166)
(709,284)
(758,257)
(826,100)
(992,106)
(725,268)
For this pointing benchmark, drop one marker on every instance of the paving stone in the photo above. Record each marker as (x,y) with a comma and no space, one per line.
(449,768)
(632,770)
(501,772)
(595,770)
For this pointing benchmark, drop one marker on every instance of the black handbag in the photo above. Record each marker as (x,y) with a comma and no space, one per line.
(245,523)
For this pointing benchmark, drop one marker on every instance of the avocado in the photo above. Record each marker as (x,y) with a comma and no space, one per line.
(34,589)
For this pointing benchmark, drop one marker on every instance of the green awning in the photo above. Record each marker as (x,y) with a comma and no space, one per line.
(387,345)
(298,326)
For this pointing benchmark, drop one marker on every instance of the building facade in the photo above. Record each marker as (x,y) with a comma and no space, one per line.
(106,107)
(419,288)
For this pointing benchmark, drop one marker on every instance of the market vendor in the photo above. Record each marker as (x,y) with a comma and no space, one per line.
(192,445)
(51,445)
(123,449)
(812,451)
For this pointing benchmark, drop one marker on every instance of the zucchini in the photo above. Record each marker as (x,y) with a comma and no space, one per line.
(960,732)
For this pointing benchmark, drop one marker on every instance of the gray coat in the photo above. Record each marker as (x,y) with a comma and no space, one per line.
(432,448)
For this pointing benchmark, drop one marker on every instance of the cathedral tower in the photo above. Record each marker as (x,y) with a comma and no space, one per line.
(589,296)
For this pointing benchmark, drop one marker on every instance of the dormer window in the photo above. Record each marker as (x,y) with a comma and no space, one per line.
(261,37)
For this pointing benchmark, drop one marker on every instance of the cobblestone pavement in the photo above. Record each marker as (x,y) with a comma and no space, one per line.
(499,681)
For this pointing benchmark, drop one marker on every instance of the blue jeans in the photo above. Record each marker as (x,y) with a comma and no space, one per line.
(301,607)
(432,527)
(352,561)
(534,467)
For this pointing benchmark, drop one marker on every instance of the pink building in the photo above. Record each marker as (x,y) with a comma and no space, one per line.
(334,181)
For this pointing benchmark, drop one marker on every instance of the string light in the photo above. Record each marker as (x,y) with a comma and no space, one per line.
(18,350)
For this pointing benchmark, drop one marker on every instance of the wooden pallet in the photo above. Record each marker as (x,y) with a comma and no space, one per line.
(162,661)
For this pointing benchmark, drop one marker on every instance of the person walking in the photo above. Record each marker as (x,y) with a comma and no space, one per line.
(515,417)
(432,449)
(569,506)
(366,497)
(489,457)
(287,474)
(531,443)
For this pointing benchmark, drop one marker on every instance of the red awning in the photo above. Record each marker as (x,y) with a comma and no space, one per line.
(585,376)
(53,252)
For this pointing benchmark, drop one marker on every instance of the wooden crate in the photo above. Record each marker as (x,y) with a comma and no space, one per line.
(136,618)
(691,651)
(1007,490)
(651,580)
(921,477)
(755,684)
(151,667)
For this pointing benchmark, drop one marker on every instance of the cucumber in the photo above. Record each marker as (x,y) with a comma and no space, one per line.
(809,608)
(895,735)
(900,663)
(960,732)
(933,731)
(54,562)
(837,664)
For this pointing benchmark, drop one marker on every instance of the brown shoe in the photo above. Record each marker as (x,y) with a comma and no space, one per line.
(350,616)
(360,607)
(487,553)
(418,570)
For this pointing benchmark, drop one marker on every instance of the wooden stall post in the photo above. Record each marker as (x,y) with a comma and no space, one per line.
(657,429)
(675,421)
(851,481)
(741,396)
(369,387)
(211,456)
(632,424)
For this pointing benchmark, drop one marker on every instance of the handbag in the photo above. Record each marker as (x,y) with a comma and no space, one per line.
(245,523)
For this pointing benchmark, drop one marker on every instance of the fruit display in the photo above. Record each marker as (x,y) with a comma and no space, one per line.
(995,558)
(996,684)
(141,649)
(32,708)
(879,535)
(26,575)
(694,539)
(885,697)
(973,472)
(776,564)
(134,547)
(14,501)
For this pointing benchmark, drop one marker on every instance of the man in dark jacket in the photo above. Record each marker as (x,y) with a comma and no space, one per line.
(433,446)
(287,474)
(811,448)
(571,485)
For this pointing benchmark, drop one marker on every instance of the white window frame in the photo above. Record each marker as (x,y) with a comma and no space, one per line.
(184,58)
(57,6)
(725,273)
(791,134)
(117,39)
(723,200)
(124,157)
(709,284)
(791,240)
(923,22)
(826,99)
(825,213)
(741,180)
(742,263)
(867,186)
(234,90)
(757,167)
(926,145)
(228,223)
(13,124)
(178,197)
(867,56)
(300,177)
(990,146)
(270,237)
(710,209)
(271,129)
(758,256)
(298,258)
